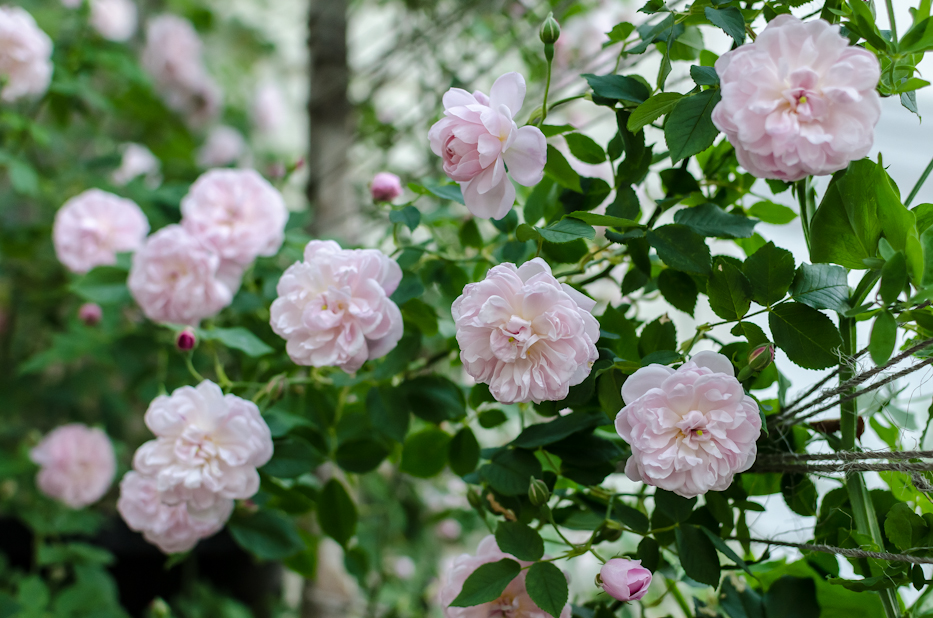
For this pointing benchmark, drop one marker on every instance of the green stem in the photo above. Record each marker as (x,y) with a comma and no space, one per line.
(803,187)
(827,13)
(191,369)
(679,597)
(547,87)
(891,19)
(866,521)
(916,189)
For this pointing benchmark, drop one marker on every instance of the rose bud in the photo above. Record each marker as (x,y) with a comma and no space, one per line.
(761,357)
(186,340)
(550,30)
(538,492)
(624,580)
(90,313)
(385,187)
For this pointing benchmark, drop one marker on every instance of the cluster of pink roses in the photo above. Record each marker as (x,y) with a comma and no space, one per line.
(207,448)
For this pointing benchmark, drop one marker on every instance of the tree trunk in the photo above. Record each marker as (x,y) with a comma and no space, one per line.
(330,120)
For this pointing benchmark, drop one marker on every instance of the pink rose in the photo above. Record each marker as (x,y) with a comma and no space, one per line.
(115,20)
(91,228)
(269,110)
(691,429)
(175,278)
(237,213)
(137,161)
(76,463)
(385,187)
(625,580)
(224,146)
(514,601)
(167,526)
(207,447)
(478,137)
(798,101)
(25,55)
(90,313)
(527,336)
(334,309)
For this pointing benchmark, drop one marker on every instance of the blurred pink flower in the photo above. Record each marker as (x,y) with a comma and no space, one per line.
(478,137)
(385,187)
(449,529)
(90,313)
(115,20)
(691,429)
(72,4)
(25,55)
(269,110)
(625,580)
(169,527)
(514,601)
(799,100)
(224,146)
(334,309)
(237,213)
(207,447)
(175,278)
(137,161)
(76,463)
(92,227)
(527,336)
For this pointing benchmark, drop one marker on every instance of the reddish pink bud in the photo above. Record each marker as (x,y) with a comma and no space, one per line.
(186,340)
(385,187)
(761,357)
(90,313)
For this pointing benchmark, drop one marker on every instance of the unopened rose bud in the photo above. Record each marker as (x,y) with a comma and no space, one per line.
(159,609)
(550,30)
(90,313)
(623,579)
(385,187)
(475,500)
(761,357)
(186,340)
(538,492)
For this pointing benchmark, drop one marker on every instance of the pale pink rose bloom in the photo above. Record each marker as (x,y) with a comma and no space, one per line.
(25,55)
(798,101)
(690,429)
(137,161)
(268,109)
(237,213)
(90,313)
(167,526)
(449,529)
(76,463)
(478,137)
(526,335)
(207,447)
(385,187)
(175,278)
(115,20)
(334,309)
(224,146)
(404,567)
(514,601)
(625,580)
(91,228)
(173,57)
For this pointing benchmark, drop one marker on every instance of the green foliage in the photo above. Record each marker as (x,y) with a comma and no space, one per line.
(486,583)
(547,587)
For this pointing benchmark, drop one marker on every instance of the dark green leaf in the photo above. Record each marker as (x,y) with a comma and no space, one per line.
(726,550)
(893,278)
(770,271)
(676,508)
(409,216)
(463,452)
(469,234)
(681,248)
(730,20)
(567,230)
(435,398)
(585,149)
(409,287)
(689,127)
(448,192)
(265,534)
(659,334)
(792,597)
(486,583)
(618,87)
(425,453)
(710,220)
(237,338)
(652,109)
(293,457)
(510,470)
(361,455)
(420,313)
(519,540)
(904,528)
(560,171)
(799,494)
(808,337)
(697,555)
(704,76)
(728,290)
(883,338)
(388,412)
(679,289)
(821,286)
(491,418)
(338,520)
(543,434)
(104,285)
(547,587)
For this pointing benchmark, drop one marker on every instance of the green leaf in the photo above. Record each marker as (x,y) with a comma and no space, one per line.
(652,109)
(726,550)
(679,289)
(237,338)
(792,597)
(728,290)
(469,234)
(104,285)
(676,508)
(607,220)
(710,220)
(770,272)
(799,494)
(567,230)
(519,540)
(681,248)
(388,412)
(704,76)
(409,287)
(409,216)
(558,169)
(509,472)
(918,39)
(435,398)
(361,455)
(265,534)
(487,583)
(859,207)
(730,20)
(418,312)
(547,587)
(883,338)
(338,520)
(585,149)
(425,453)
(618,87)
(293,457)
(689,127)
(769,212)
(491,418)
(550,130)
(893,278)
(904,528)
(698,555)
(463,452)
(450,192)
(542,434)
(821,286)
(23,177)
(808,337)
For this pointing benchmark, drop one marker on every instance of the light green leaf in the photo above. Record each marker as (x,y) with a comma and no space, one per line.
(237,338)
(585,149)
(567,230)
(769,212)
(652,109)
